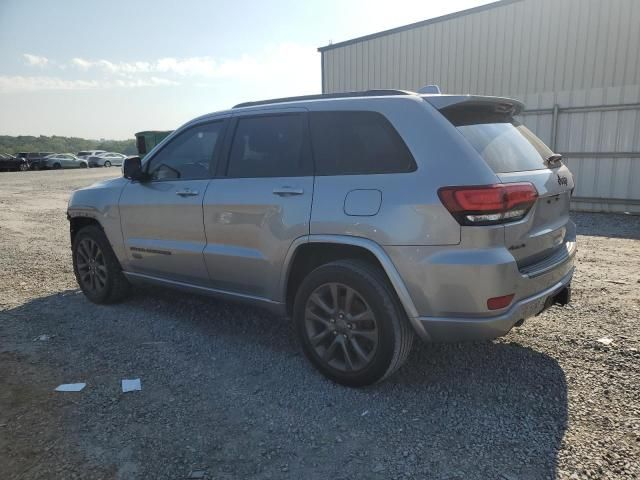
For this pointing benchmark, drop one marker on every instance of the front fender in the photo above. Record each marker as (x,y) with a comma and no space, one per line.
(100,202)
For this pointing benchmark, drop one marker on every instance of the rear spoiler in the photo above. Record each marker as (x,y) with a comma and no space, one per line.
(502,104)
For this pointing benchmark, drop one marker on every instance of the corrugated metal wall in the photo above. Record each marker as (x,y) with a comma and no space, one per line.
(569,53)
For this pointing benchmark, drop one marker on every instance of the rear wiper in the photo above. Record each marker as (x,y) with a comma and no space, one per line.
(554,160)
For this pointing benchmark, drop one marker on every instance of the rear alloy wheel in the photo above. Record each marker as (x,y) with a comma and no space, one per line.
(23,167)
(57,166)
(96,267)
(341,327)
(350,324)
(83,165)
(107,164)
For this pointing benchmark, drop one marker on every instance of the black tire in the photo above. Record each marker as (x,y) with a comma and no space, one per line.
(23,167)
(393,333)
(57,166)
(83,165)
(115,286)
(107,164)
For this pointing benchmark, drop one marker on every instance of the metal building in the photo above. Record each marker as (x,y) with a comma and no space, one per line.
(574,63)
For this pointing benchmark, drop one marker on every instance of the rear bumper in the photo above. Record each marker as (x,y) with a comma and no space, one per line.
(454,329)
(449,286)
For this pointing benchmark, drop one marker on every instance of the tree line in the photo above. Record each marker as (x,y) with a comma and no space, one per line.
(58,144)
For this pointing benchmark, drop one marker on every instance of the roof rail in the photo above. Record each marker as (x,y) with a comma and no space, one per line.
(322,96)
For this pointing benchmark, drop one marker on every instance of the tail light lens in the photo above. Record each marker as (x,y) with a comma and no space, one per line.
(489,204)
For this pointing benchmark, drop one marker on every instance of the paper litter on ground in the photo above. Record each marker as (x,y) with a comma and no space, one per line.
(70,387)
(131,385)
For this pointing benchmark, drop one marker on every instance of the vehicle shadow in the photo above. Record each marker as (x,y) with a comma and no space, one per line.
(464,411)
(610,225)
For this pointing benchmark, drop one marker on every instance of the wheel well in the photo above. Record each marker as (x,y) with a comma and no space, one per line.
(78,223)
(311,255)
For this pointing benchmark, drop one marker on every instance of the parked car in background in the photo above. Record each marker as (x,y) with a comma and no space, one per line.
(89,153)
(63,160)
(368,217)
(34,159)
(11,163)
(106,159)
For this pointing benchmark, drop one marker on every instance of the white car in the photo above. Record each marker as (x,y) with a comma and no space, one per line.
(85,154)
(63,160)
(106,159)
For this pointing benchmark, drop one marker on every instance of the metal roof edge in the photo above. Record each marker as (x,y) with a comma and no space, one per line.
(442,18)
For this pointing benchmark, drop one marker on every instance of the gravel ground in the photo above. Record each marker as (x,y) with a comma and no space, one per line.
(227,394)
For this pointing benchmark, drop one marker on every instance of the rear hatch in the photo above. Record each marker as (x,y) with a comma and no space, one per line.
(516,155)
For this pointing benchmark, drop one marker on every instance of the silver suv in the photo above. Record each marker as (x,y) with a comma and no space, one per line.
(368,218)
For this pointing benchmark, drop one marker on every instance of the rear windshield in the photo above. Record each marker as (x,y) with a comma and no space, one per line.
(504,143)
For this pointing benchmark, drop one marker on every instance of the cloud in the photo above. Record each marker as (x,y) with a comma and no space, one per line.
(81,64)
(267,61)
(150,82)
(31,84)
(35,60)
(284,69)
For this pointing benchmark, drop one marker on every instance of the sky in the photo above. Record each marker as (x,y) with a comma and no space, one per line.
(110,68)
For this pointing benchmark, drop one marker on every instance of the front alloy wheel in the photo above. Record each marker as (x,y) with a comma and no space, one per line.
(96,267)
(91,266)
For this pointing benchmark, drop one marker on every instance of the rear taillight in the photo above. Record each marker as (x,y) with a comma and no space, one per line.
(489,204)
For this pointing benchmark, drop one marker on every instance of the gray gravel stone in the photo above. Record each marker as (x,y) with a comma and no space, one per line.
(225,386)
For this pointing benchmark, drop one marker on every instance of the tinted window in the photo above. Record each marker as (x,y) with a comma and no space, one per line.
(357,143)
(504,143)
(189,155)
(269,146)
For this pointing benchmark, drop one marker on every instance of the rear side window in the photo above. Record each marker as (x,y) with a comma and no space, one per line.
(269,146)
(504,143)
(351,143)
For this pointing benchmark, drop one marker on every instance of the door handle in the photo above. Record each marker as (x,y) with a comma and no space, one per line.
(287,191)
(187,192)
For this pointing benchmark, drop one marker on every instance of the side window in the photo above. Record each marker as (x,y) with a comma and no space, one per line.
(270,146)
(357,142)
(188,156)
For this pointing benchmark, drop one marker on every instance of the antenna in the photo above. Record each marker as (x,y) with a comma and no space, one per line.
(432,89)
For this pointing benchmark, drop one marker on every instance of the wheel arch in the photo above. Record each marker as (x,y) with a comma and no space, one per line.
(309,252)
(77,223)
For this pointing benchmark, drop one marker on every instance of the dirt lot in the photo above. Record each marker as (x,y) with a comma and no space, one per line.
(226,393)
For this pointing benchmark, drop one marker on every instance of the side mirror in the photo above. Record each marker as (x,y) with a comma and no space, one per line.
(132,168)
